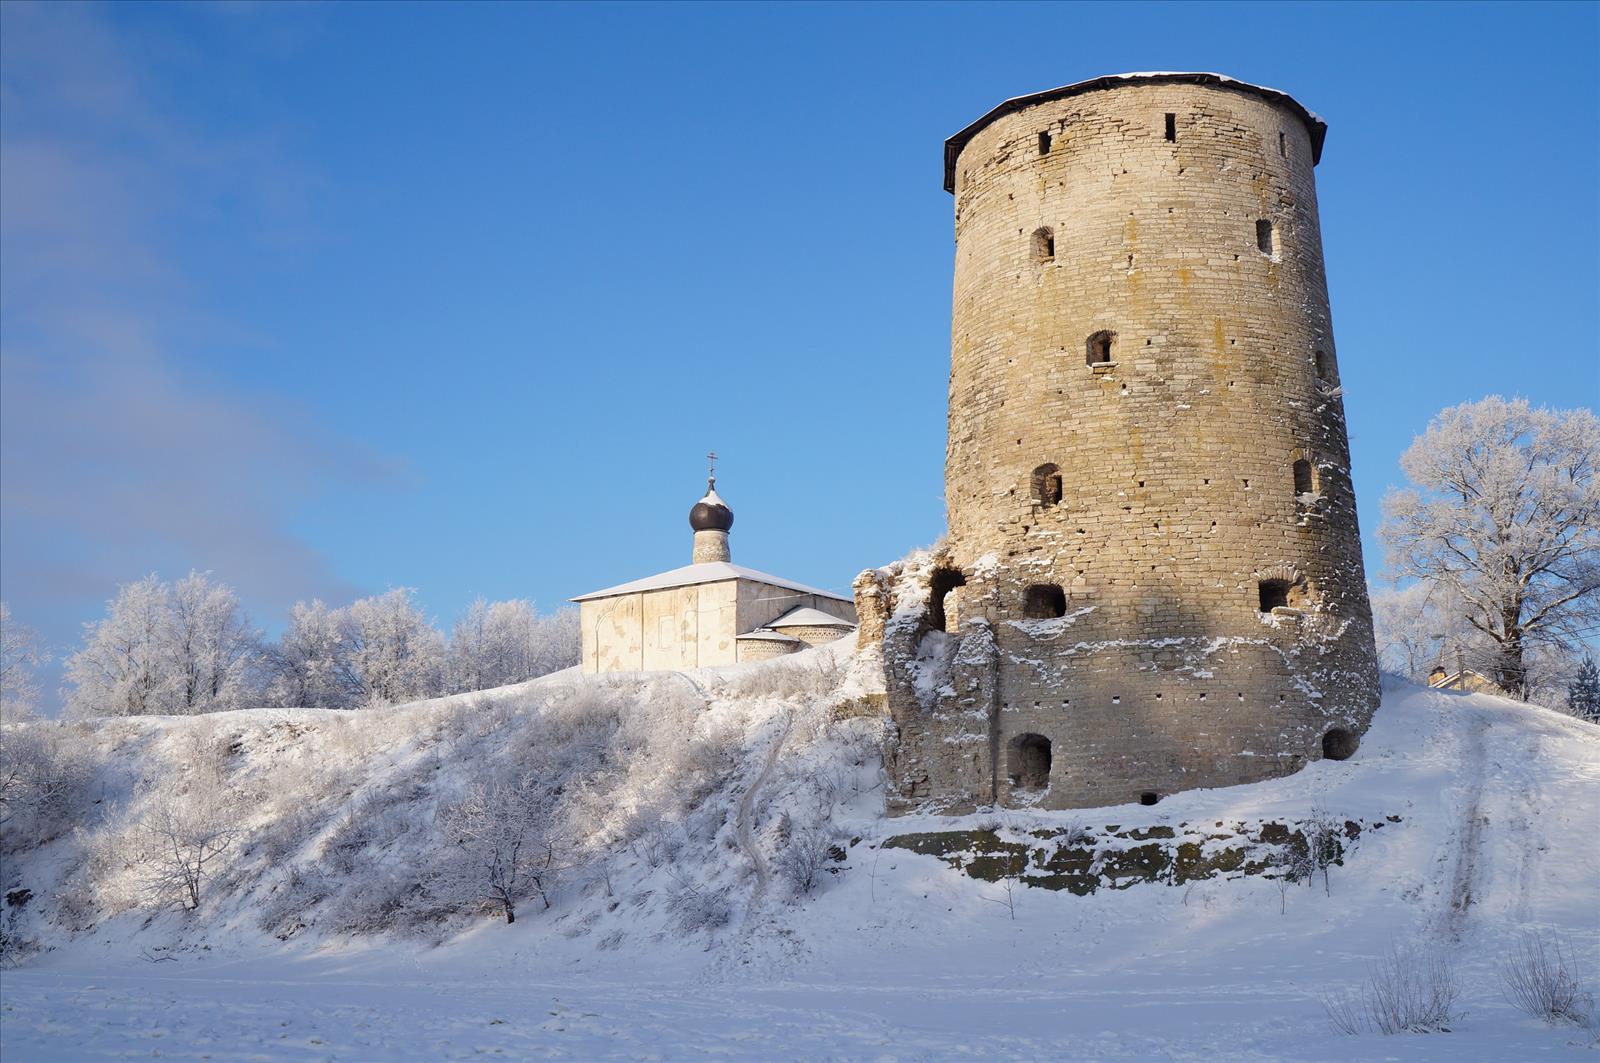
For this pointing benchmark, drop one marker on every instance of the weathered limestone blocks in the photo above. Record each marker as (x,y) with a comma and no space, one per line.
(1153,579)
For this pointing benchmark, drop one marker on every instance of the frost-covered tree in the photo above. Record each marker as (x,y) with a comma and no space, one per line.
(123,667)
(21,652)
(214,648)
(390,653)
(1419,627)
(1504,512)
(508,642)
(1583,693)
(163,650)
(307,666)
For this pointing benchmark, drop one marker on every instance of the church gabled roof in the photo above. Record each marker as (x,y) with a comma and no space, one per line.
(705,572)
(805,616)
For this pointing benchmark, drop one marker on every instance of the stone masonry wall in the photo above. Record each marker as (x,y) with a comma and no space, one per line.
(1151,583)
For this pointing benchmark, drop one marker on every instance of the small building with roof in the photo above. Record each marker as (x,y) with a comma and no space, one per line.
(710,612)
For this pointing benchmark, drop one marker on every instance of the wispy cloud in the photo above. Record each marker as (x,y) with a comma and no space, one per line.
(120,450)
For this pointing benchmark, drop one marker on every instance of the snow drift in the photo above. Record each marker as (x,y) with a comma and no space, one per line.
(698,863)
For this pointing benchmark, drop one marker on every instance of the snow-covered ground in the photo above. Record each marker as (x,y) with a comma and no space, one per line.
(692,940)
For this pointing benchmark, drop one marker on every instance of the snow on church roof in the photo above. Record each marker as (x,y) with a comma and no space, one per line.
(704,572)
(805,616)
(761,634)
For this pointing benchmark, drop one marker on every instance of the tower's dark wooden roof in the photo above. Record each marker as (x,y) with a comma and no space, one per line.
(952,147)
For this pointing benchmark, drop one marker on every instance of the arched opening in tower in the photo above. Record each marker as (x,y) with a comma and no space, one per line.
(1274,594)
(1028,762)
(1098,348)
(1044,601)
(943,614)
(1339,744)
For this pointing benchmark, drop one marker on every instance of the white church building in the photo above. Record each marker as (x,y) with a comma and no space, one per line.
(711,612)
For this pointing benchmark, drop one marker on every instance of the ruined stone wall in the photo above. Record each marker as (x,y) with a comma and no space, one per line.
(1198,611)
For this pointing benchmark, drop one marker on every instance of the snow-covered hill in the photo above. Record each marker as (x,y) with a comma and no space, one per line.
(719,884)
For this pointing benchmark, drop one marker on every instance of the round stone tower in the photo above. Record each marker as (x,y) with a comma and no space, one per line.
(1148,475)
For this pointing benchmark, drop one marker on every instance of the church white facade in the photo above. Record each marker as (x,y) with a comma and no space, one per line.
(708,613)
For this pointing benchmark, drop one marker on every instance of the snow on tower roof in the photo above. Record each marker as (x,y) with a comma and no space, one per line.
(805,616)
(1314,124)
(705,572)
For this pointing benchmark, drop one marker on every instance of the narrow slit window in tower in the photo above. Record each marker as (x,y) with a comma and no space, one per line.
(1172,126)
(1047,485)
(1044,601)
(1304,482)
(1283,145)
(1097,349)
(1264,236)
(1044,143)
(1044,243)
(1324,369)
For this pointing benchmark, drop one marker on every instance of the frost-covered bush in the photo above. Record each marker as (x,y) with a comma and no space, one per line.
(698,908)
(1543,978)
(44,771)
(805,856)
(1406,991)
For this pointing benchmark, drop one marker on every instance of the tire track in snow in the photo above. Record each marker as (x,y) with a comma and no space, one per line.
(1467,871)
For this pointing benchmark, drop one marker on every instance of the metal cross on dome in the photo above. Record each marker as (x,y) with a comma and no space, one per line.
(711,471)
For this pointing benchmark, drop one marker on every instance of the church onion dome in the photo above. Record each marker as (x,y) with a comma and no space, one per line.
(711,513)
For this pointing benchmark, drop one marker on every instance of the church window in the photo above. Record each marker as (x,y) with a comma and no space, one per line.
(1028,762)
(1044,601)
(1044,243)
(1098,348)
(1047,485)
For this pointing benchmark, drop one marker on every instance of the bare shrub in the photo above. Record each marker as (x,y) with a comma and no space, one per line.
(506,847)
(184,842)
(1406,991)
(804,858)
(1323,847)
(1541,977)
(699,908)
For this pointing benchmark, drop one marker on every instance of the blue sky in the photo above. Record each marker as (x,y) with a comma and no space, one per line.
(332,298)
